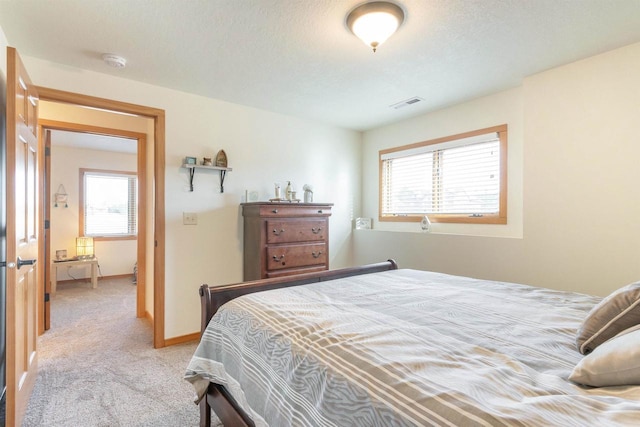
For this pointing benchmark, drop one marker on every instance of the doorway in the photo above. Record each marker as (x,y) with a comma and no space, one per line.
(154,242)
(111,157)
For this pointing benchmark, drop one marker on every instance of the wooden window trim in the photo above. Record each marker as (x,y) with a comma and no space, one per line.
(81,203)
(497,218)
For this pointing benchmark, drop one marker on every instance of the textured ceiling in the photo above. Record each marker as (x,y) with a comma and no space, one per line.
(93,142)
(297,57)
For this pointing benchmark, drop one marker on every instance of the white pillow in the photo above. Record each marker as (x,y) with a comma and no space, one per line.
(615,362)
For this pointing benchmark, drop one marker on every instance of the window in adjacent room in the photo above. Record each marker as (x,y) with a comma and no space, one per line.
(108,208)
(458,179)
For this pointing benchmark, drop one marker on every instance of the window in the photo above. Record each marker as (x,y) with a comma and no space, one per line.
(108,208)
(460,179)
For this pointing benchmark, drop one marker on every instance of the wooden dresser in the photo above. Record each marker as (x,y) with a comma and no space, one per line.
(281,239)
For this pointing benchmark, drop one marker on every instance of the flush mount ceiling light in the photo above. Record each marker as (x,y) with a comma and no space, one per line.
(375,22)
(114,61)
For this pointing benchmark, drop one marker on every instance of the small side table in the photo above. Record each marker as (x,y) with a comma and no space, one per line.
(93,262)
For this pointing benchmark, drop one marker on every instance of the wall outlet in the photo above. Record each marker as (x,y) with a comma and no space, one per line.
(189,218)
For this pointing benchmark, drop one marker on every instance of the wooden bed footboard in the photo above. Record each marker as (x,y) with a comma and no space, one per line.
(212,298)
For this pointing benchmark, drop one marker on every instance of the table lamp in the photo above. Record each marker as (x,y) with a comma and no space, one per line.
(84,247)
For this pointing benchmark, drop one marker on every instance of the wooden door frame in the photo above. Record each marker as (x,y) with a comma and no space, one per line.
(44,304)
(158,116)
(141,173)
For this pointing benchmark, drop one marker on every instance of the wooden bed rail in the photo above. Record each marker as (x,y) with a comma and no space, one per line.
(212,297)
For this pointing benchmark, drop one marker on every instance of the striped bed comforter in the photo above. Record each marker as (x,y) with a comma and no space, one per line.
(406,348)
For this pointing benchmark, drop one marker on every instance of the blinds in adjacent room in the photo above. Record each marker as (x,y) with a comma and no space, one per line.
(110,204)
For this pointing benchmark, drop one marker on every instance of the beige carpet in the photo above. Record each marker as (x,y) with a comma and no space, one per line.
(97,365)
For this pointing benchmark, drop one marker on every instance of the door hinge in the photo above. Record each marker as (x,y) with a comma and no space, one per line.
(47,151)
(46,297)
(47,224)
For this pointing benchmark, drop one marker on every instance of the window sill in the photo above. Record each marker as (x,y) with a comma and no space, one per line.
(482,230)
(114,238)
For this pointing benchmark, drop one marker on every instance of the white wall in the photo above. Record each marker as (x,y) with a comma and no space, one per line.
(583,203)
(575,129)
(262,148)
(3,54)
(115,257)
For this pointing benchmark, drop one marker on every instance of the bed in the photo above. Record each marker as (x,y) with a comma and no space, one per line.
(381,346)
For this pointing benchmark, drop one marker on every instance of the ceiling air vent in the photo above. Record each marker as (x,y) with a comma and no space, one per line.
(406,102)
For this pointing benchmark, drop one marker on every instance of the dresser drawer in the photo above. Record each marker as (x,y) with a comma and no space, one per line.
(298,270)
(291,256)
(282,210)
(283,231)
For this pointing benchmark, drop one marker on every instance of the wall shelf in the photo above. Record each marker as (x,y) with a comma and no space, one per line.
(192,171)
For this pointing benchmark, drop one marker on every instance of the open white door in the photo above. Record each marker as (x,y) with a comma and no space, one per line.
(22,237)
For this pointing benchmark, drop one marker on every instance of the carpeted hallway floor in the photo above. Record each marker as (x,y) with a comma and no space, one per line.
(97,365)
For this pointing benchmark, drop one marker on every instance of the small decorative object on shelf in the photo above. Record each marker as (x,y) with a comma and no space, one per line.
(61,254)
(289,194)
(425,224)
(308,193)
(251,196)
(221,159)
(278,192)
(288,190)
(190,161)
(206,161)
(363,223)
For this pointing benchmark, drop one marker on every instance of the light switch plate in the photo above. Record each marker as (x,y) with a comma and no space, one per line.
(189,218)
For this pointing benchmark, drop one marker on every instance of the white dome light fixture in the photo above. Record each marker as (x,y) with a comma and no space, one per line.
(375,22)
(114,61)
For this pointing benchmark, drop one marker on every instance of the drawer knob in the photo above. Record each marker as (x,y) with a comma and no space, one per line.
(275,211)
(277,233)
(316,230)
(277,258)
(316,254)
(319,211)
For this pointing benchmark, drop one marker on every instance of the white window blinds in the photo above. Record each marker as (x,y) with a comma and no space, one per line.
(110,204)
(460,176)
